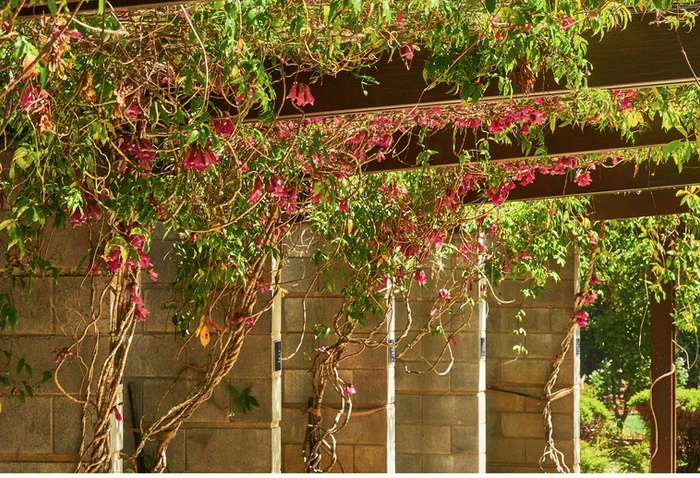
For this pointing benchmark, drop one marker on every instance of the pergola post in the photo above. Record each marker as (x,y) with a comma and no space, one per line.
(663,379)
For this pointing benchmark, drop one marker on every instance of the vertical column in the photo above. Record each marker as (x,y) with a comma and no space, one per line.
(663,378)
(365,445)
(441,418)
(515,382)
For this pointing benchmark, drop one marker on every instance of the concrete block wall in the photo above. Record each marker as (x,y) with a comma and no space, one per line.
(365,445)
(515,437)
(440,419)
(43,435)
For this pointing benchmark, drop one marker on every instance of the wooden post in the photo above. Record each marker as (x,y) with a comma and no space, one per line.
(663,393)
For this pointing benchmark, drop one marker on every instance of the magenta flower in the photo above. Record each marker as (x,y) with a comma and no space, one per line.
(257,193)
(567,22)
(443,294)
(300,94)
(581,317)
(199,159)
(115,411)
(451,340)
(249,323)
(140,311)
(344,206)
(582,178)
(399,20)
(420,277)
(31,97)
(114,260)
(595,280)
(223,127)
(349,389)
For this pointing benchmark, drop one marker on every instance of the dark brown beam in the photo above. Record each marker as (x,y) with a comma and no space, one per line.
(563,141)
(640,56)
(662,202)
(625,177)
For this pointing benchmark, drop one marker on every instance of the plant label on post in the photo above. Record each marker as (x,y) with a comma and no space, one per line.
(278,355)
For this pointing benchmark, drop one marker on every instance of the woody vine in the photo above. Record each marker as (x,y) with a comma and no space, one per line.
(130,124)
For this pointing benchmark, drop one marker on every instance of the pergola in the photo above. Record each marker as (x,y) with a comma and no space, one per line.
(643,55)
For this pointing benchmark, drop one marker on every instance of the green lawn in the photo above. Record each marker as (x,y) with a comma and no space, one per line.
(634,425)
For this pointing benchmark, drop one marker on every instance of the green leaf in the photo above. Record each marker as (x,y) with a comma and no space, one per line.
(20,366)
(47,375)
(53,8)
(491,5)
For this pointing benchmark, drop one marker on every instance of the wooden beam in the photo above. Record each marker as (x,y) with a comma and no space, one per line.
(625,177)
(91,6)
(563,141)
(645,203)
(640,56)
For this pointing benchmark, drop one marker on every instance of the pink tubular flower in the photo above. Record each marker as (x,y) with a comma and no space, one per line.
(583,178)
(343,206)
(199,159)
(567,22)
(257,193)
(420,277)
(399,20)
(114,260)
(443,294)
(223,127)
(249,323)
(300,94)
(31,97)
(581,317)
(595,280)
(407,53)
(349,389)
(140,311)
(451,340)
(115,411)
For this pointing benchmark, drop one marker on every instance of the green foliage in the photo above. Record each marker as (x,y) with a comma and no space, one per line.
(687,425)
(595,418)
(243,399)
(595,459)
(633,458)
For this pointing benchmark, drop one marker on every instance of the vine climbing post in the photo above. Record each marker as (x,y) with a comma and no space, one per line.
(663,378)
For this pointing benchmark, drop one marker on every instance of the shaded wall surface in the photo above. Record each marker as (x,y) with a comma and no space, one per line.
(461,421)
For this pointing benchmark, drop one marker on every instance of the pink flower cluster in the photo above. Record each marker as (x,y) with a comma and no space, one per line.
(624,98)
(581,317)
(525,115)
(199,159)
(31,98)
(140,310)
(141,150)
(300,94)
(80,217)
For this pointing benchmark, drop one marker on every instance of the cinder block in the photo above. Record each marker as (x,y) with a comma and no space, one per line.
(423,439)
(466,376)
(303,358)
(346,459)
(159,319)
(365,430)
(255,360)
(466,349)
(411,382)
(67,420)
(293,459)
(294,424)
(408,408)
(451,409)
(318,311)
(68,247)
(210,451)
(451,464)
(160,395)
(467,440)
(163,260)
(144,362)
(498,401)
(73,301)
(522,425)
(370,459)
(500,345)
(296,386)
(299,275)
(526,371)
(34,311)
(505,450)
(503,319)
(561,317)
(543,345)
(357,357)
(36,467)
(408,463)
(371,386)
(26,428)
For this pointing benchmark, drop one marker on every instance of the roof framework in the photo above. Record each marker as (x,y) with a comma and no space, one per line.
(643,55)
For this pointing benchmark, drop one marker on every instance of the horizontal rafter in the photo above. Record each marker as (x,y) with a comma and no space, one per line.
(563,141)
(625,177)
(662,202)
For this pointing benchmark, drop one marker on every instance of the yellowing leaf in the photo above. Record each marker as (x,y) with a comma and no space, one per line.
(351,225)
(204,336)
(202,321)
(283,291)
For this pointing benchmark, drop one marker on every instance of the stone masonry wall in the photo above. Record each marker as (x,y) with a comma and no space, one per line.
(365,444)
(514,423)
